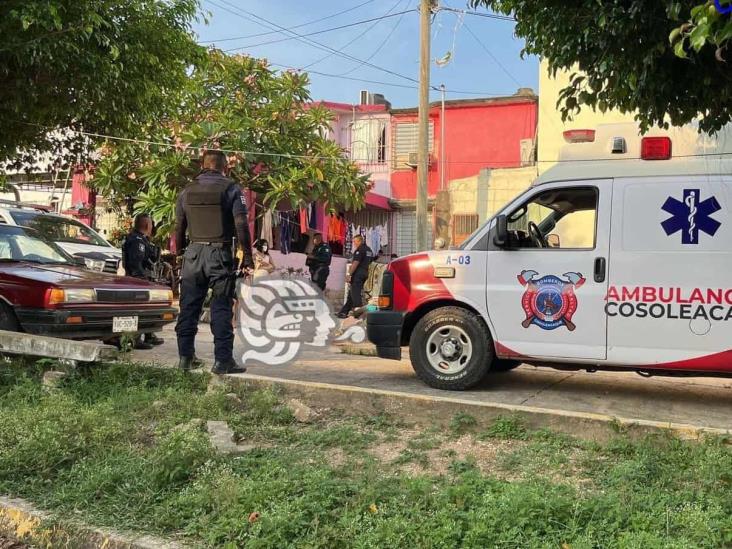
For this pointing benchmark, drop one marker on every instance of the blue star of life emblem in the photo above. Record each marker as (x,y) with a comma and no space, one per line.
(690,216)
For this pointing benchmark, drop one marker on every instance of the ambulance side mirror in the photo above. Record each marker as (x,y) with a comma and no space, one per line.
(501,237)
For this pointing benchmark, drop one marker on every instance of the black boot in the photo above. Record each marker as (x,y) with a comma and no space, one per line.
(222,367)
(187,363)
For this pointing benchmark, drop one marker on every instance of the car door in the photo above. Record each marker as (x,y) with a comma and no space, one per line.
(546,292)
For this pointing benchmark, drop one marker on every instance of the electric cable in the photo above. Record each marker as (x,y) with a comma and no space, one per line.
(323,31)
(313,22)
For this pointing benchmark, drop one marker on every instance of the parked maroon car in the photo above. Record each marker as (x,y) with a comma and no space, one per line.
(45,291)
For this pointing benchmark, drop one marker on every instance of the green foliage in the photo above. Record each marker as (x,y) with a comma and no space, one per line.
(276,143)
(706,26)
(507,427)
(620,56)
(461,423)
(108,446)
(98,66)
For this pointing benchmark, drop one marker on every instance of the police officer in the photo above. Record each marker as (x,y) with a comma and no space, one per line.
(357,275)
(319,261)
(138,258)
(212,211)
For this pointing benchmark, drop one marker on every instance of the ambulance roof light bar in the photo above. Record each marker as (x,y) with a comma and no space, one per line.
(579,136)
(656,148)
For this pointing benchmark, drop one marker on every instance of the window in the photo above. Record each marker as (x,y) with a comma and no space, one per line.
(59,229)
(406,139)
(368,141)
(18,244)
(463,225)
(557,218)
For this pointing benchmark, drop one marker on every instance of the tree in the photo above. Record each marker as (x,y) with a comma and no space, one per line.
(101,66)
(274,138)
(707,25)
(626,59)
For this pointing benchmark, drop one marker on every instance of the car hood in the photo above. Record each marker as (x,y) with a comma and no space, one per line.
(63,275)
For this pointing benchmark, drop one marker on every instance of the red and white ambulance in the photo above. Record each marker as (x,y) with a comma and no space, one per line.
(617,258)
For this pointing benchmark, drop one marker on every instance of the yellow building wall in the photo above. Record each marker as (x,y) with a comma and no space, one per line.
(550,139)
(489,191)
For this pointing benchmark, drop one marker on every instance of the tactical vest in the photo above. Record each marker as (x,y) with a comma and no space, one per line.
(204,207)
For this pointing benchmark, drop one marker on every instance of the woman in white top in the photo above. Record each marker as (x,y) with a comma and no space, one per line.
(263,264)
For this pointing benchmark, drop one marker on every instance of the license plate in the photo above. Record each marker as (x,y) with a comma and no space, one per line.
(124,324)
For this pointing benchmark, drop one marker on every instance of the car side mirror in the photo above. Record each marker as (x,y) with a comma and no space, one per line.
(501,237)
(552,241)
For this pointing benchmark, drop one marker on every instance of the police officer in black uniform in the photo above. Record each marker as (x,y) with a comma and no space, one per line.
(319,261)
(212,211)
(139,256)
(359,272)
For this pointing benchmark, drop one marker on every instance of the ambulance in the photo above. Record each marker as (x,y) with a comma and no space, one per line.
(617,258)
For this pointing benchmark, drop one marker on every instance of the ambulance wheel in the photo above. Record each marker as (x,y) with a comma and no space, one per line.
(504,364)
(451,348)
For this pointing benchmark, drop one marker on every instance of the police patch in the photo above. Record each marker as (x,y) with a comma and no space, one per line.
(549,302)
(141,246)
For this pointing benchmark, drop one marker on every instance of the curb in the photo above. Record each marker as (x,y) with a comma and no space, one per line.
(439,410)
(19,520)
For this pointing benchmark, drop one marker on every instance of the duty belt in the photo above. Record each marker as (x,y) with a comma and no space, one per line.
(213,244)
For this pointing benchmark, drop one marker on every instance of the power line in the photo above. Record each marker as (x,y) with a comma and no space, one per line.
(314,21)
(312,43)
(365,160)
(381,83)
(383,43)
(323,47)
(391,84)
(495,16)
(495,59)
(323,31)
(357,37)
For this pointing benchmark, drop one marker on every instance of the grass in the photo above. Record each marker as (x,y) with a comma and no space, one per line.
(108,447)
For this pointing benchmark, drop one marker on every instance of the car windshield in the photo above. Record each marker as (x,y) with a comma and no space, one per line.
(59,229)
(20,244)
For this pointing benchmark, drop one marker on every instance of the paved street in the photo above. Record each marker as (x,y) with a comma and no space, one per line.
(705,402)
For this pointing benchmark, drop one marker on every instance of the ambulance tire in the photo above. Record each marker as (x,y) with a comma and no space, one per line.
(464,322)
(504,365)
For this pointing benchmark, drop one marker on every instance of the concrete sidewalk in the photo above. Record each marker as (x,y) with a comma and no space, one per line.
(696,402)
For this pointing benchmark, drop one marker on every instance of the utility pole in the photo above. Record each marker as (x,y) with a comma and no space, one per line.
(425,12)
(442,139)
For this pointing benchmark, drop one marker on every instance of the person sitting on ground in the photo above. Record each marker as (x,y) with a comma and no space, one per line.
(263,264)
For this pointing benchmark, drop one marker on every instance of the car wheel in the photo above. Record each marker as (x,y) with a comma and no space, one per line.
(8,320)
(451,348)
(504,364)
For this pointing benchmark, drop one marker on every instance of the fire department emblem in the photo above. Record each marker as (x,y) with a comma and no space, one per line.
(549,302)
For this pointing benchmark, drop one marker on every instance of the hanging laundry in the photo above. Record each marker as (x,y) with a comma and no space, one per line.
(285,234)
(348,244)
(384,231)
(303,221)
(266,232)
(312,216)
